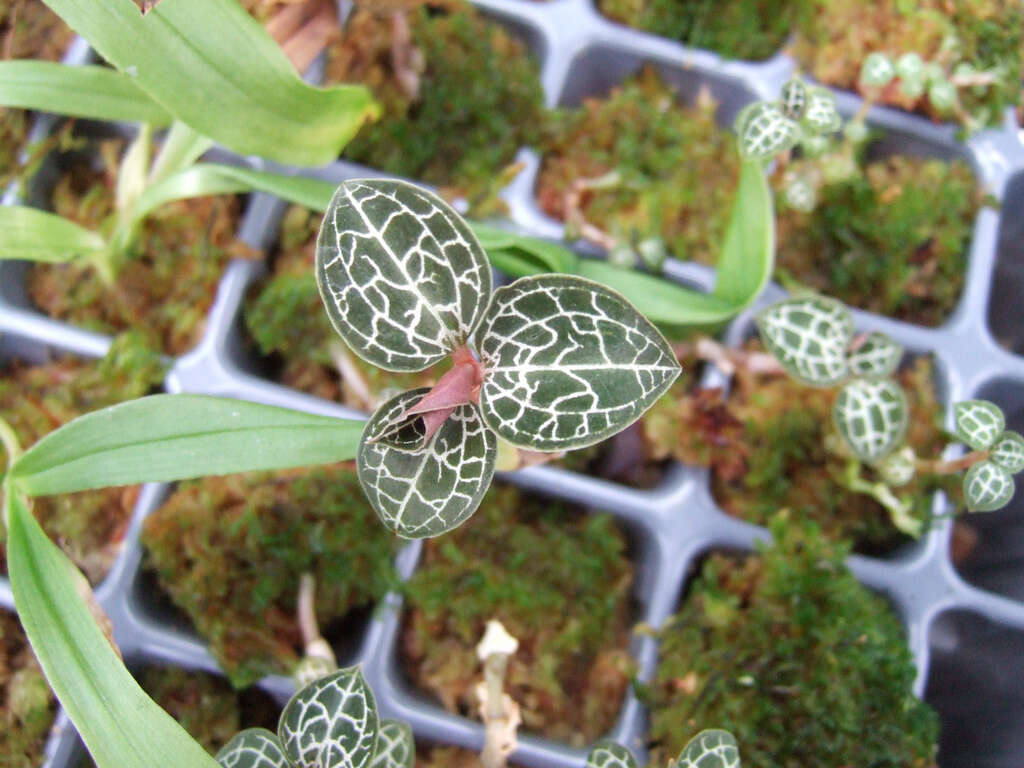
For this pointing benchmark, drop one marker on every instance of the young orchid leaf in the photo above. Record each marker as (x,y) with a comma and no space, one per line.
(421,490)
(82,666)
(871,416)
(35,235)
(402,275)
(763,131)
(987,487)
(748,252)
(1008,452)
(174,437)
(395,746)
(567,363)
(899,467)
(331,723)
(875,356)
(793,99)
(877,71)
(821,115)
(611,754)
(525,255)
(180,149)
(253,748)
(711,748)
(978,423)
(809,336)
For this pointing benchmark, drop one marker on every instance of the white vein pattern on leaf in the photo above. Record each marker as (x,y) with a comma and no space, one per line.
(988,485)
(252,749)
(767,132)
(318,736)
(819,351)
(821,111)
(877,356)
(567,340)
(410,303)
(859,404)
(431,490)
(1008,452)
(394,746)
(716,749)
(611,755)
(979,423)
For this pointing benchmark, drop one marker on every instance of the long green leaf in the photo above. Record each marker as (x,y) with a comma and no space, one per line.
(180,149)
(215,179)
(120,724)
(29,233)
(173,437)
(211,65)
(96,93)
(748,253)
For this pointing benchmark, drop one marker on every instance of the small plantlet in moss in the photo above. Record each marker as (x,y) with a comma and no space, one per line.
(561,586)
(792,655)
(27,706)
(711,748)
(460,93)
(231,551)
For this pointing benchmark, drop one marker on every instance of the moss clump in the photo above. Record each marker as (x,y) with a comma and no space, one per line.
(446,757)
(230,552)
(167,279)
(766,446)
(286,318)
(477,99)
(36,399)
(675,169)
(560,583)
(788,652)
(838,35)
(737,29)
(27,706)
(892,240)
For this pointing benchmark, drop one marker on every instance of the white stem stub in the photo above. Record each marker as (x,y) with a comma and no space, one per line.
(496,639)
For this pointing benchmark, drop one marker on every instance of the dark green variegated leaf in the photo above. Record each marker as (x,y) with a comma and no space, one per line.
(987,487)
(793,99)
(402,276)
(567,363)
(610,754)
(712,748)
(876,356)
(763,131)
(821,115)
(871,416)
(1008,452)
(253,748)
(978,423)
(331,723)
(809,336)
(429,491)
(395,746)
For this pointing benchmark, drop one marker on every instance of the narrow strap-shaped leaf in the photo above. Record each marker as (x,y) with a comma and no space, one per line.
(568,363)
(93,92)
(181,148)
(503,246)
(1008,451)
(395,746)
(253,748)
(877,355)
(173,437)
(871,416)
(430,491)
(978,423)
(808,335)
(402,275)
(121,726)
(331,723)
(35,235)
(987,487)
(215,179)
(257,103)
(748,252)
(610,754)
(712,748)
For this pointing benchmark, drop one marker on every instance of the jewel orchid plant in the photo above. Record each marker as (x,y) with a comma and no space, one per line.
(547,363)
(711,748)
(813,339)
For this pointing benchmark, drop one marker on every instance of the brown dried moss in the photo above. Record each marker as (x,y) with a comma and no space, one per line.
(27,706)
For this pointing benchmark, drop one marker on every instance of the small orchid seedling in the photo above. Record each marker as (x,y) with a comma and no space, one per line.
(330,723)
(711,748)
(813,339)
(548,363)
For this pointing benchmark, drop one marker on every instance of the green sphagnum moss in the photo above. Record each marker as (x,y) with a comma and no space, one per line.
(27,706)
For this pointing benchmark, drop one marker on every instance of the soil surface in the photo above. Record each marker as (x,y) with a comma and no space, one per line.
(559,581)
(27,706)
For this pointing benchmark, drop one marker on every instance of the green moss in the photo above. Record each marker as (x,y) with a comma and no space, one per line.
(788,652)
(230,551)
(559,582)
(836,37)
(27,706)
(892,240)
(37,399)
(676,169)
(479,96)
(737,29)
